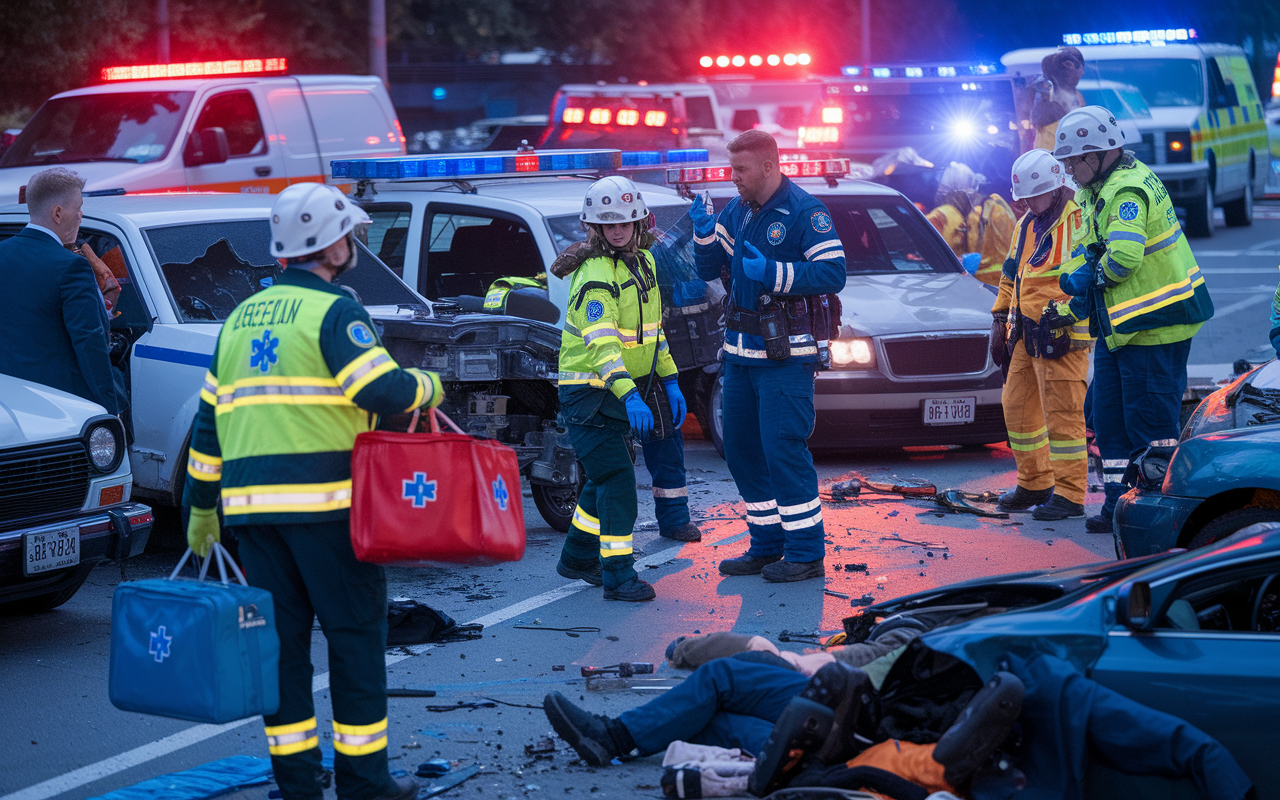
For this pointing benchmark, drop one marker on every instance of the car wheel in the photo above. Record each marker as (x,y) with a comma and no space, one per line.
(1239,213)
(556,503)
(715,413)
(1200,215)
(44,602)
(1221,527)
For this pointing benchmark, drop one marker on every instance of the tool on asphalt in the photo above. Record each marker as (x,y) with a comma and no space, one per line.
(813,638)
(471,706)
(624,670)
(900,540)
(433,768)
(953,500)
(572,633)
(409,692)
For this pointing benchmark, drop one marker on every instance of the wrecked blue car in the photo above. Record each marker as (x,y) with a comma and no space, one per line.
(1195,634)
(1224,474)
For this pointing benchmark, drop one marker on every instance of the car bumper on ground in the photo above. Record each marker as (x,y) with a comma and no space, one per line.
(870,410)
(1183,182)
(120,531)
(1150,522)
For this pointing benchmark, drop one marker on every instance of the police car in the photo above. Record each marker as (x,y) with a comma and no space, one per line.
(185,261)
(911,365)
(65,489)
(452,225)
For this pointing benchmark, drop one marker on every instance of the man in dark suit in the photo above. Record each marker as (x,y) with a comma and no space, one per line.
(56,334)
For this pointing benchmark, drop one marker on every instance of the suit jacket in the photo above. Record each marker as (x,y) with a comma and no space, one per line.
(54,328)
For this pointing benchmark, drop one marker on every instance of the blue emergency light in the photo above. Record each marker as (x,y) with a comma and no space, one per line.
(1155,36)
(477,165)
(653,158)
(920,71)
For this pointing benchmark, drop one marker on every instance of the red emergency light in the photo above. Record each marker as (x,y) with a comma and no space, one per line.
(600,115)
(197,69)
(773,60)
(816,168)
(699,175)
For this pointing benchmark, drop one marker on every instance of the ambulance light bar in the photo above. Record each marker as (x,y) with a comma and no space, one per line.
(919,71)
(656,158)
(817,168)
(1156,36)
(198,69)
(478,165)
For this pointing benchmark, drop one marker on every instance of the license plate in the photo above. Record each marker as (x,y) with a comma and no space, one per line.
(949,410)
(50,550)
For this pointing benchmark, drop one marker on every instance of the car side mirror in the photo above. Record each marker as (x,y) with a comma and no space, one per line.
(206,146)
(1133,606)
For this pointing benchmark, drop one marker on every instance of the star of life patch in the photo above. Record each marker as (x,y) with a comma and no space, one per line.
(595,310)
(360,335)
(1128,211)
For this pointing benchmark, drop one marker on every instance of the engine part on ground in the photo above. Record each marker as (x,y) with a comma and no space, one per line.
(953,500)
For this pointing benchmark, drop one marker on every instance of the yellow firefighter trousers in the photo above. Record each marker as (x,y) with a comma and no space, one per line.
(1044,413)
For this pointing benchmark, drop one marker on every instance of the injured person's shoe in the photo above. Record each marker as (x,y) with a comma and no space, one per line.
(597,739)
(847,691)
(800,730)
(981,727)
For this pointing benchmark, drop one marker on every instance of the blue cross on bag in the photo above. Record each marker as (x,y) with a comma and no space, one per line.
(204,651)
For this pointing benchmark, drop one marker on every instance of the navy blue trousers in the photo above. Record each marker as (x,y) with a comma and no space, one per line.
(665,461)
(1137,400)
(768,416)
(727,702)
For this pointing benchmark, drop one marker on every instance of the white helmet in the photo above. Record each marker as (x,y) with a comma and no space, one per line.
(1036,172)
(308,217)
(958,177)
(614,200)
(1091,129)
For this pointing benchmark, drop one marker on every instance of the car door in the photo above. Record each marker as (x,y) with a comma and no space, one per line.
(253,164)
(466,248)
(1212,659)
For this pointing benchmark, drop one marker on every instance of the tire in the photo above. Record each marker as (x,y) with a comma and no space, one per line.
(1239,213)
(556,503)
(44,602)
(715,414)
(1200,215)
(1221,527)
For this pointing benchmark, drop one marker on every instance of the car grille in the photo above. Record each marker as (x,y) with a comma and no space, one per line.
(42,480)
(951,355)
(1145,150)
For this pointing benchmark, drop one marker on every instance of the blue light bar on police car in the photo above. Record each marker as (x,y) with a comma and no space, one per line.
(815,168)
(655,158)
(920,71)
(1155,36)
(476,165)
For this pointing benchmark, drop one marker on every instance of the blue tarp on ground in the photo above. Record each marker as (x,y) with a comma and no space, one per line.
(209,780)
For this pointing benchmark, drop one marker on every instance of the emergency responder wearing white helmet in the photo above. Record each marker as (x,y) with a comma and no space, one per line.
(298,372)
(614,365)
(1044,392)
(976,228)
(1134,277)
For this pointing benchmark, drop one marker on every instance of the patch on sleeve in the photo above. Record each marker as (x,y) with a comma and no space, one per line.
(777,232)
(1128,211)
(821,221)
(360,335)
(595,310)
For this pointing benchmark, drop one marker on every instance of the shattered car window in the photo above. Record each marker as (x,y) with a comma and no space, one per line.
(212,267)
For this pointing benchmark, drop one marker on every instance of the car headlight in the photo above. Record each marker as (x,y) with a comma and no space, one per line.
(104,447)
(853,353)
(1217,412)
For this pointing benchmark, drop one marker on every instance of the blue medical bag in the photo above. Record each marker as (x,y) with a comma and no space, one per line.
(193,649)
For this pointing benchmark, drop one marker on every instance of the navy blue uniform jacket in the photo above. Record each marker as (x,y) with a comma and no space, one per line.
(54,327)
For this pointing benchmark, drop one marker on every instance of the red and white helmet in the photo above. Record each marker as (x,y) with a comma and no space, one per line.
(1091,129)
(1037,172)
(613,201)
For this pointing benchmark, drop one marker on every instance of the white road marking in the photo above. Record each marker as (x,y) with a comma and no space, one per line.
(1231,309)
(1236,254)
(1266,289)
(199,733)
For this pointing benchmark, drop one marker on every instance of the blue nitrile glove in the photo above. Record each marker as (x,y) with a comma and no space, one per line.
(679,408)
(971,262)
(202,530)
(640,416)
(753,262)
(703,216)
(1077,283)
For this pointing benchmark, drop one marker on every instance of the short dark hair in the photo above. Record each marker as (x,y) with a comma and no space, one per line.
(51,187)
(755,141)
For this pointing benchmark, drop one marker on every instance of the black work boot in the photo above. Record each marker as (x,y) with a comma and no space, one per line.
(746,565)
(633,591)
(982,726)
(1098,523)
(592,576)
(406,789)
(800,730)
(687,532)
(1058,508)
(597,739)
(1020,500)
(787,571)
(847,691)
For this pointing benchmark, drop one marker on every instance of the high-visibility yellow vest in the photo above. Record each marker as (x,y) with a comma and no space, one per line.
(496,298)
(1027,288)
(987,229)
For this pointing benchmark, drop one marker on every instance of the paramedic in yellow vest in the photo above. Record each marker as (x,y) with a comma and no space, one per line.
(1134,277)
(299,371)
(1048,369)
(495,299)
(976,228)
(613,355)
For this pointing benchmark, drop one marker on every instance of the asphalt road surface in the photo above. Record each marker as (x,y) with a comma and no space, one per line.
(63,739)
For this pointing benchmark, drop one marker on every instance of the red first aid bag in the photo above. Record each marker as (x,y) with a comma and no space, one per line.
(424,497)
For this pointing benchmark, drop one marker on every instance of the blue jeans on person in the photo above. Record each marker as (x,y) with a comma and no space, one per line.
(1137,400)
(727,702)
(664,459)
(768,417)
